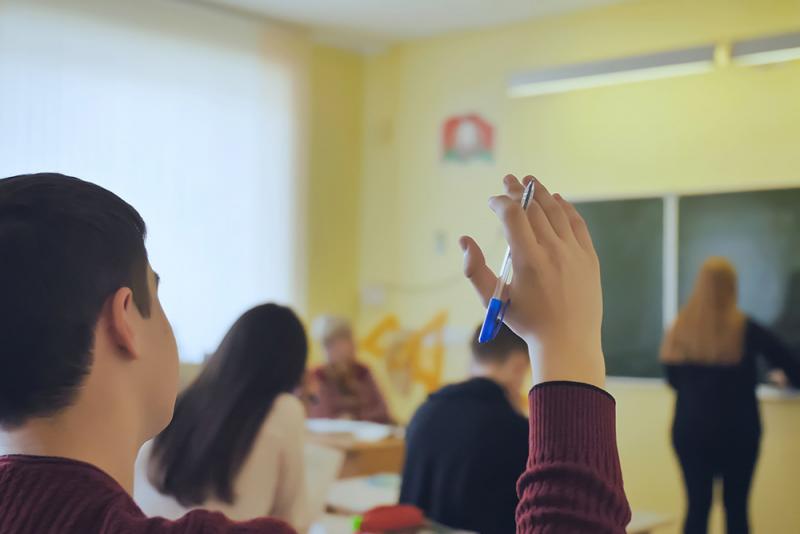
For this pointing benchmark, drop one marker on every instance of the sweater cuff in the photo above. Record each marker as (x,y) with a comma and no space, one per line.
(542,385)
(575,423)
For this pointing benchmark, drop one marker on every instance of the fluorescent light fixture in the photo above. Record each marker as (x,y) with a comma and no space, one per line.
(765,50)
(612,72)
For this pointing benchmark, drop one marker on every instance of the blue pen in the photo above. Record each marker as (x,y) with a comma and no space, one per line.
(497,306)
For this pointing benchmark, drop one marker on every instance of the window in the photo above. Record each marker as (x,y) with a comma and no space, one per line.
(184,113)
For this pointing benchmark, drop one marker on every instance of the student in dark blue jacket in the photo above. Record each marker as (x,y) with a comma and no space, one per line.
(467,444)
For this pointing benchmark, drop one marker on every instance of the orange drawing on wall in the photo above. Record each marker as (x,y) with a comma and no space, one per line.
(410,356)
(466,138)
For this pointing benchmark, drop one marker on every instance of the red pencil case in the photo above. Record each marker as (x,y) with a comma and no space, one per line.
(389,518)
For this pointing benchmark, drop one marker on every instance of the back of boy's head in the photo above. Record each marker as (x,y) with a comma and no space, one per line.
(498,350)
(65,246)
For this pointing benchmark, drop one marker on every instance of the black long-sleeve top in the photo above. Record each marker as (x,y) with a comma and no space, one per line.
(719,401)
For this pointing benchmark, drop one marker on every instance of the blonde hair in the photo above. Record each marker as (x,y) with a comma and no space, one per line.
(709,330)
(326,327)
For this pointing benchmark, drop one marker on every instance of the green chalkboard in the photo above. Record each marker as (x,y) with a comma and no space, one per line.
(759,231)
(628,236)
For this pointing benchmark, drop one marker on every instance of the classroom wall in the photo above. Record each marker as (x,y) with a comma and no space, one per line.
(734,128)
(334,181)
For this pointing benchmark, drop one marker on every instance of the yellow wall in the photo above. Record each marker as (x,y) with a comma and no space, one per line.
(334,181)
(734,128)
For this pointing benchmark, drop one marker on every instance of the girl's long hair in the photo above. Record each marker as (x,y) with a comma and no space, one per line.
(709,329)
(217,418)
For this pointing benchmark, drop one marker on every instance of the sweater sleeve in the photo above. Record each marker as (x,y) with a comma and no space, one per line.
(776,352)
(573,481)
(325,405)
(673,374)
(374,405)
(668,349)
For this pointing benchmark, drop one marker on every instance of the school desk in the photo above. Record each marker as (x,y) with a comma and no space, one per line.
(363,457)
(353,496)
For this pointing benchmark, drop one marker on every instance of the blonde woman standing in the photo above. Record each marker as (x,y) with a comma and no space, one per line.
(710,355)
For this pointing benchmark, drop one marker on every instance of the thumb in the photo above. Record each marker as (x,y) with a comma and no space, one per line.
(476,270)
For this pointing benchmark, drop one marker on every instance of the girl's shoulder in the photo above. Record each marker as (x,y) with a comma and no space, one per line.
(288,406)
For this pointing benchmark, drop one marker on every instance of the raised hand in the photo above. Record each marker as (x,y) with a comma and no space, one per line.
(556,298)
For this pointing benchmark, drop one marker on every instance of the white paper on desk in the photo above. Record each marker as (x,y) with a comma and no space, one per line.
(357,495)
(360,430)
(332,524)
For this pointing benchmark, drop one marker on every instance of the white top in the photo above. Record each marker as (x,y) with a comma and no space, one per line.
(271,482)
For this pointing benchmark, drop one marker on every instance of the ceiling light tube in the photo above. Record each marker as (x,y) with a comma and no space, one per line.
(765,50)
(612,72)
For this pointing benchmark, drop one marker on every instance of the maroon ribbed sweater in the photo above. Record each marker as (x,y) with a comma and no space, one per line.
(572,484)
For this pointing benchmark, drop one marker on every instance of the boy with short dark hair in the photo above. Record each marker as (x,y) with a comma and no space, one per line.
(467,444)
(88,363)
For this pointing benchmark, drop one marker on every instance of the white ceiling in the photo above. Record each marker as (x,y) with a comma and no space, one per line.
(391,20)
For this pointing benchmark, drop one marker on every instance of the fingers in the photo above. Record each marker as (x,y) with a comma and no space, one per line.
(555,214)
(579,227)
(551,218)
(542,230)
(517,229)
(514,189)
(475,268)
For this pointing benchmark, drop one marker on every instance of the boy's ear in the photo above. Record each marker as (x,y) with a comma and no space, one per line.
(121,319)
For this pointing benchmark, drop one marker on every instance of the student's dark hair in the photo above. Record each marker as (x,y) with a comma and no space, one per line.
(66,246)
(500,348)
(217,418)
